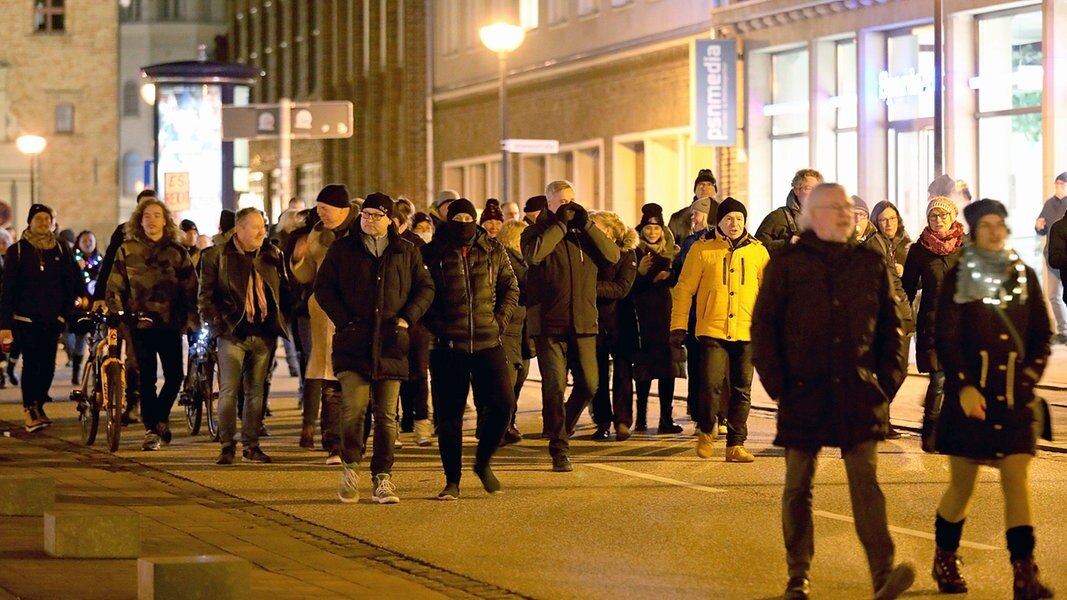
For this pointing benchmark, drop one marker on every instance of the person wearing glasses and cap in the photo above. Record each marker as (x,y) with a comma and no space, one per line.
(373,286)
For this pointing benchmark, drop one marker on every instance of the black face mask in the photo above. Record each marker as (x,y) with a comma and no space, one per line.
(460,232)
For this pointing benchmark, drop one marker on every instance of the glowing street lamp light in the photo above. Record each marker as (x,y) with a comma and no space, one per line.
(503,38)
(31,145)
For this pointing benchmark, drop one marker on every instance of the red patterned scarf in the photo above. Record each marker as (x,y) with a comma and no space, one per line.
(943,244)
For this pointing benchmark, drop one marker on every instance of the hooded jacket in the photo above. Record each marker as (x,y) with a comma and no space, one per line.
(725,278)
(780,225)
(614,282)
(563,274)
(826,343)
(154,278)
(475,291)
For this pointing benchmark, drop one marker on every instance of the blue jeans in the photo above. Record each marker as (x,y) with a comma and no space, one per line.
(356,394)
(246,360)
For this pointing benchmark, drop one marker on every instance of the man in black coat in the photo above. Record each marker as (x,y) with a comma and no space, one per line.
(779,228)
(373,286)
(830,358)
(564,250)
(1057,248)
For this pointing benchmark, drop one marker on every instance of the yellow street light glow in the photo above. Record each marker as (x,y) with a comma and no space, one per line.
(30,144)
(502,38)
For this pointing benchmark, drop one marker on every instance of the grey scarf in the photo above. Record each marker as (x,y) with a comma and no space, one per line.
(994,277)
(375,245)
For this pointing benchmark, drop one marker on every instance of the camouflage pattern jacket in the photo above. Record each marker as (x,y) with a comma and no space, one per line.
(155,278)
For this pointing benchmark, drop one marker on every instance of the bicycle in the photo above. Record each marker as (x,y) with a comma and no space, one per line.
(103,386)
(200,390)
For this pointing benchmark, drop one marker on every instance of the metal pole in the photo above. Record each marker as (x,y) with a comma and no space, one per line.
(939,116)
(285,151)
(503,128)
(33,179)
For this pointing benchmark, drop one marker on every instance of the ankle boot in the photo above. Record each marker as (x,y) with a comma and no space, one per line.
(1027,585)
(642,415)
(76,369)
(307,436)
(946,572)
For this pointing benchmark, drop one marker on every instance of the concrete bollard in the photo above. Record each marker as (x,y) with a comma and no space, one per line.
(205,577)
(30,496)
(92,533)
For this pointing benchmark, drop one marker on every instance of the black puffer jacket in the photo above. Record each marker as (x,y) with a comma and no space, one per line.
(613,284)
(364,295)
(977,348)
(826,343)
(926,270)
(224,276)
(780,225)
(517,343)
(562,278)
(475,292)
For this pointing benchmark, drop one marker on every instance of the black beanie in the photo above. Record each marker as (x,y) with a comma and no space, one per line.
(729,205)
(379,201)
(420,217)
(39,208)
(974,211)
(462,205)
(334,194)
(705,175)
(492,211)
(651,214)
(187,225)
(227,220)
(535,204)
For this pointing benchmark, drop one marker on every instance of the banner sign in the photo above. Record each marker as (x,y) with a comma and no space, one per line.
(715,92)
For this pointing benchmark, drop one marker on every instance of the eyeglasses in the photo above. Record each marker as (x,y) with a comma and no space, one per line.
(372,216)
(938,216)
(841,208)
(887,220)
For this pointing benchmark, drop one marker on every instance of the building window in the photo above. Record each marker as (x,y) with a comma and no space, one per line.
(789,119)
(847,165)
(65,118)
(907,85)
(169,10)
(49,15)
(313,47)
(131,99)
(587,7)
(556,11)
(132,173)
(1010,85)
(529,14)
(308,181)
(621,3)
(129,11)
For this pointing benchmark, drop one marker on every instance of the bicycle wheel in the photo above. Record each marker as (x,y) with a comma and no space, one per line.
(88,415)
(210,383)
(115,390)
(194,411)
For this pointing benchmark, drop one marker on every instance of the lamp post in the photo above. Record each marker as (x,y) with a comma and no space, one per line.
(31,145)
(503,38)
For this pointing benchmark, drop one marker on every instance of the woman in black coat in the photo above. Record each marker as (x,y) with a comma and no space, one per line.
(993,338)
(654,356)
(518,347)
(928,260)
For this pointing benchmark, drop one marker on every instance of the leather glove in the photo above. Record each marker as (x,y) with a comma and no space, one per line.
(580,217)
(565,214)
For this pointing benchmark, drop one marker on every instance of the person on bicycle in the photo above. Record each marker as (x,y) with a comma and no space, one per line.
(243,292)
(154,276)
(373,286)
(40,290)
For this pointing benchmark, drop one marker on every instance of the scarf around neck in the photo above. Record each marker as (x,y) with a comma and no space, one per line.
(41,241)
(994,277)
(942,244)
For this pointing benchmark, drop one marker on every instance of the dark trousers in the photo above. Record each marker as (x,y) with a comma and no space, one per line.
(935,395)
(614,397)
(167,344)
(519,372)
(454,374)
(554,354)
(415,391)
(666,399)
(868,508)
(722,359)
(694,374)
(38,343)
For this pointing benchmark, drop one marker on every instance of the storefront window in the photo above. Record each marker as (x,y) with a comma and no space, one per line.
(1010,52)
(907,86)
(845,132)
(789,123)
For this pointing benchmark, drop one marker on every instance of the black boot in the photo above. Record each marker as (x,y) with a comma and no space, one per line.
(946,569)
(641,424)
(11,372)
(76,369)
(1027,586)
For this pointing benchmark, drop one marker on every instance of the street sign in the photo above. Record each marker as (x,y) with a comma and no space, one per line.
(521,146)
(176,191)
(307,120)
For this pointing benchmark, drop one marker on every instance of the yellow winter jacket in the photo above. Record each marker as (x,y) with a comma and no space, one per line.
(725,280)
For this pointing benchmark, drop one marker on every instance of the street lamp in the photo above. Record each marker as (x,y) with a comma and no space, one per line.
(31,145)
(503,38)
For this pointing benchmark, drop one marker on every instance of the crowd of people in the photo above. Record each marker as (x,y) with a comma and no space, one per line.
(391,317)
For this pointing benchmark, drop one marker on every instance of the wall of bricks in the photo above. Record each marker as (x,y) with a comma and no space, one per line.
(79,66)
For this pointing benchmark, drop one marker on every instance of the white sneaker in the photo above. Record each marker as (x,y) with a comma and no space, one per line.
(397,444)
(151,441)
(385,489)
(334,458)
(348,490)
(423,432)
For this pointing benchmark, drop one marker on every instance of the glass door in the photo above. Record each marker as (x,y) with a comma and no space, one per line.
(911,169)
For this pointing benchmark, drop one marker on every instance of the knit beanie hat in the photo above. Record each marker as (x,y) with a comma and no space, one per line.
(731,204)
(445,196)
(39,208)
(462,205)
(491,212)
(379,201)
(942,186)
(420,217)
(701,204)
(705,175)
(187,225)
(651,214)
(944,204)
(974,211)
(334,194)
(227,220)
(860,206)
(535,203)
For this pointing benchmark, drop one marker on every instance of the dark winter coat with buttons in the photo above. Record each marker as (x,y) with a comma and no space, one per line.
(365,295)
(826,343)
(650,322)
(517,343)
(926,270)
(475,292)
(562,277)
(977,348)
